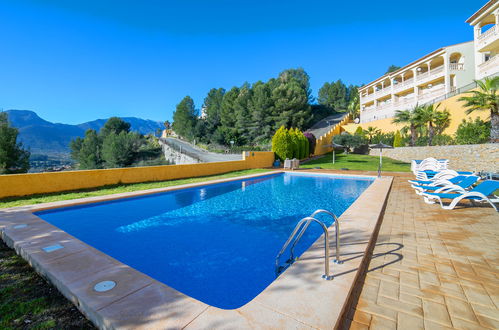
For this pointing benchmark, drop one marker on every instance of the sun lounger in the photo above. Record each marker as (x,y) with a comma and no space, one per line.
(460,186)
(484,192)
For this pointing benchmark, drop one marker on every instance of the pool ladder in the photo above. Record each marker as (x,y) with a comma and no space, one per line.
(300,228)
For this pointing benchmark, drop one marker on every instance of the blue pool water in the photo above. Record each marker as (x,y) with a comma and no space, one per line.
(216,243)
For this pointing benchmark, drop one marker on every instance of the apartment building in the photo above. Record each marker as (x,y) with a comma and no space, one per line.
(428,78)
(486,35)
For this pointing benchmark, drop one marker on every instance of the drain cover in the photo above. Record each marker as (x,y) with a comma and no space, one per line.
(104,286)
(52,248)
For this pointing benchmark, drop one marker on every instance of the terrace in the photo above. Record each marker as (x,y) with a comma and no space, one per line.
(429,268)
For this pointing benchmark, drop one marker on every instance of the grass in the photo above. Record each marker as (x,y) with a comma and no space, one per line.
(113,189)
(357,163)
(27,301)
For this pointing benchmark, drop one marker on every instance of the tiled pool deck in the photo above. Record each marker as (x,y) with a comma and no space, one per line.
(432,268)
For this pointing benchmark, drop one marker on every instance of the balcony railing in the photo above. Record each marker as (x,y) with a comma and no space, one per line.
(433,73)
(403,85)
(489,67)
(432,93)
(487,37)
(456,66)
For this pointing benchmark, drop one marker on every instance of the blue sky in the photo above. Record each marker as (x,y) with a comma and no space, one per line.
(79,60)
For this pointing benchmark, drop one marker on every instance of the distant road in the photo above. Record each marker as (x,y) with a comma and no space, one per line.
(199,153)
(322,127)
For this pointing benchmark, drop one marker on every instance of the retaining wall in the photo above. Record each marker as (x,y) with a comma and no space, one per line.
(472,157)
(36,183)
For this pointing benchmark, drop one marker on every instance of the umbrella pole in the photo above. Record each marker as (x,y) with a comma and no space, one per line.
(334,156)
(380,162)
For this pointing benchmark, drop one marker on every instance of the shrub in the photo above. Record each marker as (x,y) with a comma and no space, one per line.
(295,138)
(473,132)
(359,131)
(282,144)
(442,140)
(386,138)
(311,142)
(397,140)
(347,140)
(306,151)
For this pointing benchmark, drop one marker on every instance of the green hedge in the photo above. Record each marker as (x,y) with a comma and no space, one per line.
(290,143)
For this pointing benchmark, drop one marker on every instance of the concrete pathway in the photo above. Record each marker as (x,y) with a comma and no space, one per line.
(431,268)
(322,127)
(201,154)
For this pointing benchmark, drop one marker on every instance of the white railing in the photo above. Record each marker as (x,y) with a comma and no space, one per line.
(433,93)
(403,104)
(489,67)
(487,33)
(487,37)
(403,85)
(433,73)
(456,66)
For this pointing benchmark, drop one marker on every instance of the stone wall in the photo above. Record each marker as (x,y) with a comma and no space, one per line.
(473,157)
(176,157)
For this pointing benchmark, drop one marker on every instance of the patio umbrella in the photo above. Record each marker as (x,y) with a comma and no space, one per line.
(380,146)
(334,145)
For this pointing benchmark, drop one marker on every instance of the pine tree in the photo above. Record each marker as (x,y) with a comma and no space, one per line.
(334,95)
(212,106)
(261,108)
(89,155)
(115,125)
(242,114)
(119,150)
(13,157)
(184,118)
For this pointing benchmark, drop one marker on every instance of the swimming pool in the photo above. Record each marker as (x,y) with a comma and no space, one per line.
(215,243)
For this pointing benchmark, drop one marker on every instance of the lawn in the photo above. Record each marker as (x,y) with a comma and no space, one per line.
(28,302)
(114,189)
(358,163)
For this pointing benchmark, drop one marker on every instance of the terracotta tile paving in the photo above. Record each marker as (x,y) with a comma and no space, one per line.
(431,268)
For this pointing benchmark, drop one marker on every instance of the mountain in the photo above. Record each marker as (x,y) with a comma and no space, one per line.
(44,137)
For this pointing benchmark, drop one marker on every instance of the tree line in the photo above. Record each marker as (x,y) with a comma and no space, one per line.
(13,157)
(115,146)
(251,113)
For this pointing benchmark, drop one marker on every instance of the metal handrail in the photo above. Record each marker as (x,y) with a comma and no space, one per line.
(337,234)
(302,226)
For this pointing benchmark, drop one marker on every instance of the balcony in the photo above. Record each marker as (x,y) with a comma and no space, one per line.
(487,40)
(430,94)
(404,85)
(404,103)
(430,75)
(488,68)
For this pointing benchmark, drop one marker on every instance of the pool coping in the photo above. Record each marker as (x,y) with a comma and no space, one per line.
(299,298)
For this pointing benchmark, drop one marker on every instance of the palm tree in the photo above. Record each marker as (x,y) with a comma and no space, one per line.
(435,119)
(485,99)
(411,118)
(371,132)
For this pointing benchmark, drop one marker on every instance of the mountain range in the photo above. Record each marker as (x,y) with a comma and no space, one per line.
(44,137)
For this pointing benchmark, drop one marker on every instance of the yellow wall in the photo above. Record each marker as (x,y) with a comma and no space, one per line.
(36,183)
(457,114)
(328,138)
